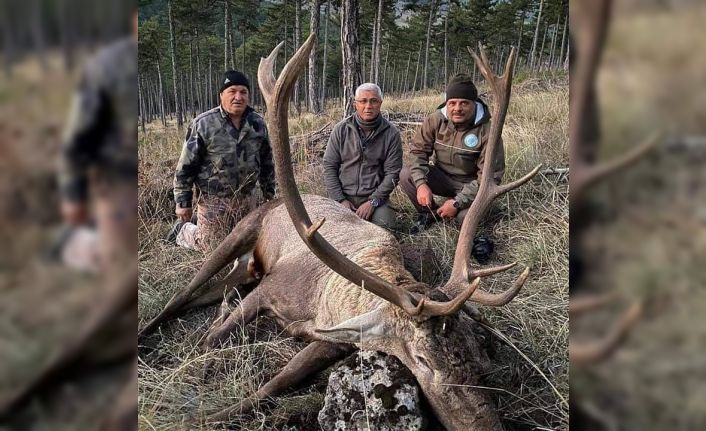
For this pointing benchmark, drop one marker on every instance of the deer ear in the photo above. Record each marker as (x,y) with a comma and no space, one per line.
(359,329)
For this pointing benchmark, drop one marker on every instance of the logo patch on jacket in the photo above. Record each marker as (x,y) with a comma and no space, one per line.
(470,140)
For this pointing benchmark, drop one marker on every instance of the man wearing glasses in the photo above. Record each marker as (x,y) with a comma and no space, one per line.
(363,159)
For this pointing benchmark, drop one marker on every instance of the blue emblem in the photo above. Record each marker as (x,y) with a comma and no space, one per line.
(470,140)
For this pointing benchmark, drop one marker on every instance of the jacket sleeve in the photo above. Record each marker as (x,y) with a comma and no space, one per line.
(332,164)
(391,169)
(189,166)
(267,169)
(470,190)
(422,149)
(84,135)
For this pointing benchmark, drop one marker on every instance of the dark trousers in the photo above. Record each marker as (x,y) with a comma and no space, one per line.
(440,184)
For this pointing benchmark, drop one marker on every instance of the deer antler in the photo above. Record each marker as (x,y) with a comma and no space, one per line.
(595,351)
(276,94)
(488,189)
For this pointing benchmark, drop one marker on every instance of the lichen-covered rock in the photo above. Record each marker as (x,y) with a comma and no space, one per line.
(372,391)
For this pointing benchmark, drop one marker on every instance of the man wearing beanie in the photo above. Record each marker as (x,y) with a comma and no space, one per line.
(454,137)
(226,152)
(363,159)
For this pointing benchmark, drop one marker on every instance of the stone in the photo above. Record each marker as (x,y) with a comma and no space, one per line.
(372,391)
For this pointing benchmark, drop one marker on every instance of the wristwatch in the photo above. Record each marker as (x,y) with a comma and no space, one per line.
(184,204)
(456,204)
(375,202)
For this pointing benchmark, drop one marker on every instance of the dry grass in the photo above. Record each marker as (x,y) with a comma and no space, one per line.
(651,240)
(530,226)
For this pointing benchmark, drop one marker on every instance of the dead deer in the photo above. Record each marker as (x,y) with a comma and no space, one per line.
(340,283)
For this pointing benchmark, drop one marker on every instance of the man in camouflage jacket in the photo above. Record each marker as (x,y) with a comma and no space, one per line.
(226,152)
(448,154)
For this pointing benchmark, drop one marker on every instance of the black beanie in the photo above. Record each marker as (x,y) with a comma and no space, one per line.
(233,77)
(461,87)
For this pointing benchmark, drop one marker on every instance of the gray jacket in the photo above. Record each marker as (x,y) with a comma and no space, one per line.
(357,167)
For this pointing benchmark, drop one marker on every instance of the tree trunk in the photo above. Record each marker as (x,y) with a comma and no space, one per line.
(191,79)
(226,33)
(161,95)
(349,51)
(416,71)
(536,36)
(519,38)
(314,105)
(405,83)
(209,93)
(297,43)
(384,72)
(432,6)
(322,105)
(200,93)
(563,41)
(38,32)
(141,102)
(541,51)
(446,43)
(378,44)
(172,42)
(555,33)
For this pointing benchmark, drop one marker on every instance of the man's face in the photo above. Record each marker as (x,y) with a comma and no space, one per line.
(460,110)
(367,105)
(235,99)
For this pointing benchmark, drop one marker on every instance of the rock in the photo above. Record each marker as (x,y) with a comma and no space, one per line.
(372,391)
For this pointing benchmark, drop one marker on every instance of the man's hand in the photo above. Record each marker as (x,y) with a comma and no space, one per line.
(447,210)
(348,204)
(365,211)
(184,214)
(74,213)
(424,195)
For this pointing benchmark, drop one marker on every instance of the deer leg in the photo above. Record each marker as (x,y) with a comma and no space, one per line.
(315,357)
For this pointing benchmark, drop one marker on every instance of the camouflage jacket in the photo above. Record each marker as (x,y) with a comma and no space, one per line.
(101,134)
(223,161)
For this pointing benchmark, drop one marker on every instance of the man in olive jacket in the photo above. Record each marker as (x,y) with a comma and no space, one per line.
(363,159)
(448,154)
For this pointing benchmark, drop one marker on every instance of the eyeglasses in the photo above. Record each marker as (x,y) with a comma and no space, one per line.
(373,102)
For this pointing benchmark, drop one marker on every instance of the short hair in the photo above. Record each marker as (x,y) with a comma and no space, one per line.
(369,86)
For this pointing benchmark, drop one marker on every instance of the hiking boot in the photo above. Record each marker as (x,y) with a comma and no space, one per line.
(482,249)
(172,236)
(424,220)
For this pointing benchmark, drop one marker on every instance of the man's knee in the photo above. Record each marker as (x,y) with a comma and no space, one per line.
(384,216)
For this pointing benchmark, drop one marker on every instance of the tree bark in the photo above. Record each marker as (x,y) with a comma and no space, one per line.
(322,104)
(297,43)
(378,44)
(563,44)
(226,33)
(172,42)
(161,95)
(416,71)
(314,105)
(446,43)
(349,50)
(555,33)
(432,6)
(536,36)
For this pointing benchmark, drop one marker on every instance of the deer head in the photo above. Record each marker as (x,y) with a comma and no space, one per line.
(419,324)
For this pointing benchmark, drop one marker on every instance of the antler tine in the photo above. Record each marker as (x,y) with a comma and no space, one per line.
(277,103)
(265,73)
(586,175)
(502,298)
(582,354)
(488,190)
(584,303)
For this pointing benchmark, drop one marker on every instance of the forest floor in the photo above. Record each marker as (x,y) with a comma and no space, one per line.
(529,225)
